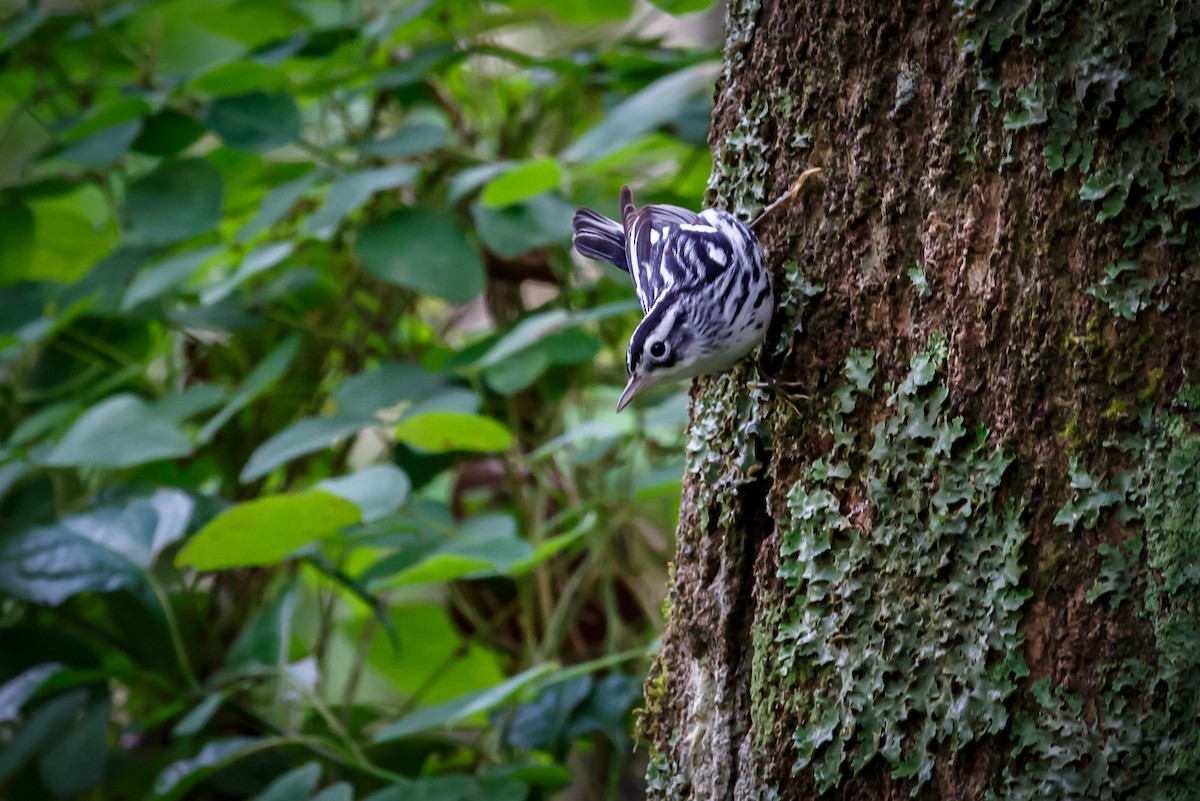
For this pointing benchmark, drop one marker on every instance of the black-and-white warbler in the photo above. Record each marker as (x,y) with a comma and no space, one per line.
(701,279)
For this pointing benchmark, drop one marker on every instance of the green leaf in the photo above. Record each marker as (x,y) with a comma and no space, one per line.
(682,6)
(488,545)
(442,432)
(241,78)
(180,406)
(20,25)
(104,115)
(119,431)
(177,200)
(265,637)
(199,716)
(580,12)
(472,178)
(255,122)
(46,726)
(168,132)
(350,192)
(295,785)
(161,277)
(21,688)
(384,386)
(537,327)
(77,759)
(461,709)
(422,249)
(262,378)
(456,787)
(377,490)
(103,550)
(256,261)
(408,140)
(432,644)
(341,791)
(177,777)
(518,372)
(300,438)
(105,147)
(656,105)
(510,231)
(277,203)
(16,241)
(522,182)
(267,530)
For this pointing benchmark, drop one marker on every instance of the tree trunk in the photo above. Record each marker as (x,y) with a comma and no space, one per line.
(962,560)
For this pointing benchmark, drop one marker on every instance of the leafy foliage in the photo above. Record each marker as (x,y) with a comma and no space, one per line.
(310,483)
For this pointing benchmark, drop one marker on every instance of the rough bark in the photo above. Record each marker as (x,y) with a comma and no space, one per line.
(963,560)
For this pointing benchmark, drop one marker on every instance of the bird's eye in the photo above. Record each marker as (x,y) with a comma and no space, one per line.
(658,350)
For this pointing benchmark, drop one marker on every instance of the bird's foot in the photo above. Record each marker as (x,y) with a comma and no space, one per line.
(783,390)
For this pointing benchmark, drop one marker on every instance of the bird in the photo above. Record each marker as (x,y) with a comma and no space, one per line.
(700,278)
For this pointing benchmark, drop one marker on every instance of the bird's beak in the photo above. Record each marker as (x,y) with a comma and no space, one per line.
(635,385)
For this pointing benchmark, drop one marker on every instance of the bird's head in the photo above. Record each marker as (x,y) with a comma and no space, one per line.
(664,346)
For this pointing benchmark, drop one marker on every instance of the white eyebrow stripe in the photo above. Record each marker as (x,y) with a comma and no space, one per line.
(698,229)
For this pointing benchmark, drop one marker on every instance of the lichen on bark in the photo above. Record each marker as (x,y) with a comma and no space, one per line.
(905,564)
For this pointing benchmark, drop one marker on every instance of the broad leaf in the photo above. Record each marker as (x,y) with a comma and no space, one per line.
(488,545)
(177,200)
(656,105)
(300,438)
(107,549)
(523,181)
(682,6)
(262,378)
(120,431)
(256,261)
(276,204)
(199,716)
(377,490)
(383,386)
(408,141)
(422,249)
(295,785)
(241,78)
(256,122)
(350,192)
(266,530)
(535,223)
(441,432)
(105,147)
(168,132)
(161,277)
(20,689)
(461,709)
(79,755)
(216,754)
(537,327)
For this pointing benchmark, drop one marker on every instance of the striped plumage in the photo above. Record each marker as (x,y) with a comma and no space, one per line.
(701,280)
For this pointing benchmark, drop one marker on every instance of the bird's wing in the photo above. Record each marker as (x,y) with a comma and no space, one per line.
(649,235)
(598,237)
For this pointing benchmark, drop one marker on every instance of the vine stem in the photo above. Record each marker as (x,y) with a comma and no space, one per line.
(173,630)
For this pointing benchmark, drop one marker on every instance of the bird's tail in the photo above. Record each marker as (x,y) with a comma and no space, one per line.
(598,237)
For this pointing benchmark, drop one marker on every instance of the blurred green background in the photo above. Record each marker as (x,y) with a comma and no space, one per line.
(310,480)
